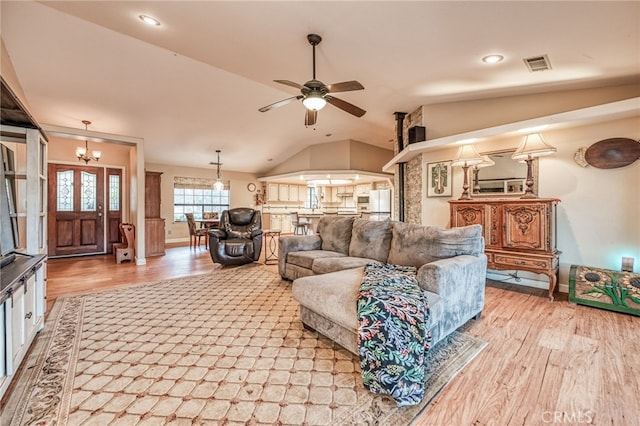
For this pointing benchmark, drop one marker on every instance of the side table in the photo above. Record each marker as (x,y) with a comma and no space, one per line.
(271,245)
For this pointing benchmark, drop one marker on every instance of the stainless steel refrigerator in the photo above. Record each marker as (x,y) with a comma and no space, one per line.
(380,204)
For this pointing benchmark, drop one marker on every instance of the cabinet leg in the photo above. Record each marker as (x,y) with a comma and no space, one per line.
(553,281)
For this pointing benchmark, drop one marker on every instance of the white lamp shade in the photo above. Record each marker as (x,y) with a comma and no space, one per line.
(80,151)
(486,162)
(314,102)
(467,156)
(97,154)
(218,186)
(533,145)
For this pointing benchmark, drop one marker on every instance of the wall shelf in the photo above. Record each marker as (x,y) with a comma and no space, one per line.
(590,115)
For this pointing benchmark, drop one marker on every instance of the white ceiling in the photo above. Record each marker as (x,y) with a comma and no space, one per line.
(194,84)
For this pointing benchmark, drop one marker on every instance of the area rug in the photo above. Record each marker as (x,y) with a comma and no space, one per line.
(221,348)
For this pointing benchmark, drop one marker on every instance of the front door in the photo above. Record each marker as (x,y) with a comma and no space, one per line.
(76,210)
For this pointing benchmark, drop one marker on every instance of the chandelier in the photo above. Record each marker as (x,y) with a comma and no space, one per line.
(219,185)
(83,153)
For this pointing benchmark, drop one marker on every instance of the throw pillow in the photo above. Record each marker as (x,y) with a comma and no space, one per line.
(415,245)
(370,239)
(335,232)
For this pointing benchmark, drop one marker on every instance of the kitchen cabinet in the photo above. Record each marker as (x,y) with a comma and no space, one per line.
(275,222)
(302,193)
(272,192)
(330,194)
(345,191)
(280,222)
(363,189)
(519,234)
(283,192)
(286,224)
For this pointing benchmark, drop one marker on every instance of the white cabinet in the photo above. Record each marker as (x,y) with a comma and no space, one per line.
(286,224)
(280,222)
(363,189)
(302,193)
(21,313)
(272,192)
(22,289)
(345,191)
(283,192)
(275,224)
(331,194)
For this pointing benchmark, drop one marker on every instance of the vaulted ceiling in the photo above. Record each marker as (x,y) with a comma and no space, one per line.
(194,84)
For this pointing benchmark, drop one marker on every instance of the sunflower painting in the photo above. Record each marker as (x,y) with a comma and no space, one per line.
(603,288)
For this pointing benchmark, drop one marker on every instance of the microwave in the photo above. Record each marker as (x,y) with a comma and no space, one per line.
(363,199)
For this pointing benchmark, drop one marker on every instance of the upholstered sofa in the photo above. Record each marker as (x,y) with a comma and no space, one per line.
(327,269)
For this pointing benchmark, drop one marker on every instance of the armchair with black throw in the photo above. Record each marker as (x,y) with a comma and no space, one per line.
(238,239)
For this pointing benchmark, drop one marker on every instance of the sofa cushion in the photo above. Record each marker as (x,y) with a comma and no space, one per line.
(415,245)
(333,264)
(332,296)
(306,258)
(370,239)
(335,232)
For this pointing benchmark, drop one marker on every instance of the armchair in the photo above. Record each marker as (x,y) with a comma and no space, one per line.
(238,240)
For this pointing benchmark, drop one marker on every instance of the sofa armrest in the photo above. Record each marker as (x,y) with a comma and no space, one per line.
(217,233)
(291,243)
(456,279)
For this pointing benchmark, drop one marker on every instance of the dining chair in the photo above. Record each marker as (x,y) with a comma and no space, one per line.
(195,233)
(299,224)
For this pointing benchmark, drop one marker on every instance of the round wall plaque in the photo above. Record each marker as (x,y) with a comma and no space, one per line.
(613,153)
(251,187)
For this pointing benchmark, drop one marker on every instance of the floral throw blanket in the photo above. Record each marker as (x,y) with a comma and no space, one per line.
(392,334)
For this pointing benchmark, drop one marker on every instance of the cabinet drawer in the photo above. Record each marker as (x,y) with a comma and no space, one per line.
(519,261)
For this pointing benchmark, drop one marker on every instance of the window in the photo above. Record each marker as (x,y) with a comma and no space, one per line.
(196,195)
(311,201)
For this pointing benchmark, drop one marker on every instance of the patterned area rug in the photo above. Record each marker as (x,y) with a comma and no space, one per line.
(221,348)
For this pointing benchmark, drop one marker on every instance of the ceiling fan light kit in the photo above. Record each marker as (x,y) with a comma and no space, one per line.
(315,94)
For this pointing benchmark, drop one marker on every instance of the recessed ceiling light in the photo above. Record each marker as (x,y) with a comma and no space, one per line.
(149,20)
(492,59)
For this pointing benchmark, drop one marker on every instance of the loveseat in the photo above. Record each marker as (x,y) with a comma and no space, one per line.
(327,269)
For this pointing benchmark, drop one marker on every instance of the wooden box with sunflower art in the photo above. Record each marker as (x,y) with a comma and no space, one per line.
(604,288)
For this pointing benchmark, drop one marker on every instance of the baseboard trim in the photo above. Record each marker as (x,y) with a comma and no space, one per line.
(514,278)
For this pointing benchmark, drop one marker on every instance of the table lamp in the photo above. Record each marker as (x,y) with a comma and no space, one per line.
(532,146)
(466,156)
(486,162)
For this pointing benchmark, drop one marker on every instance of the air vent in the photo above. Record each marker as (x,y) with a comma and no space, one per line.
(538,63)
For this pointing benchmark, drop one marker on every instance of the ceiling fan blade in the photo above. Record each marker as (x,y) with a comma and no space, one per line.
(310,117)
(345,86)
(345,106)
(289,83)
(280,103)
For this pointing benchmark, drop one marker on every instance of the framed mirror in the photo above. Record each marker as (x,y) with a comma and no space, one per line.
(507,177)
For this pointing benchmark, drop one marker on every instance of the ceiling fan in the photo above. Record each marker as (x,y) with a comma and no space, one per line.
(316,94)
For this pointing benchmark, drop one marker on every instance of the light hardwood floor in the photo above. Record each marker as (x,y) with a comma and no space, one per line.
(546,362)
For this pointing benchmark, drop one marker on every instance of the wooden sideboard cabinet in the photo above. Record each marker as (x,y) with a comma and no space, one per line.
(520,234)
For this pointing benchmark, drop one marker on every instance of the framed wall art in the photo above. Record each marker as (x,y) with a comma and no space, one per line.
(439,179)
